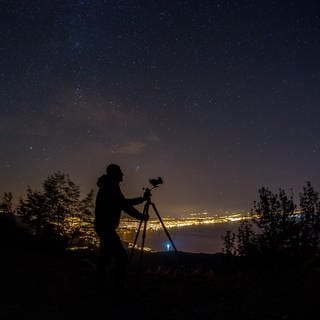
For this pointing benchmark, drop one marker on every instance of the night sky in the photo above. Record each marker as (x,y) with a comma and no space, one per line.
(218,98)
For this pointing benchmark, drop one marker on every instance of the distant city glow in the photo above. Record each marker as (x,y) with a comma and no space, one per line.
(129,226)
(155,224)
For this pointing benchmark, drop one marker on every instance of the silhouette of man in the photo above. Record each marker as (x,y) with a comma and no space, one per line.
(110,202)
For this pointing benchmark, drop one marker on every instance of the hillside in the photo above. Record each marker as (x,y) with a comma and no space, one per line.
(40,282)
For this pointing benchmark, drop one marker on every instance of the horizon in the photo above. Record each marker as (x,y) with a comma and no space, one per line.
(178,213)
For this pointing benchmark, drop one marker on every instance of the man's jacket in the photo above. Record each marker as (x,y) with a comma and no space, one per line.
(110,202)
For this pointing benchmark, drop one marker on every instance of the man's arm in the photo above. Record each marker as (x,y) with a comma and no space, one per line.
(134,201)
(127,207)
(133,212)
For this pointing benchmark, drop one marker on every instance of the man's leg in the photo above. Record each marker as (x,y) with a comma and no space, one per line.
(112,262)
(104,275)
(120,264)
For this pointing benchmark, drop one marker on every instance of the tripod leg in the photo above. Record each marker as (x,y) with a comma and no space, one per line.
(142,244)
(145,210)
(135,240)
(164,227)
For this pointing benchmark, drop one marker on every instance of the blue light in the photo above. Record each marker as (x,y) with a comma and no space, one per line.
(168,246)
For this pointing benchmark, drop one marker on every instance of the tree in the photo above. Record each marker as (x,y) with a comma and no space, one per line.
(310,219)
(277,227)
(229,243)
(275,217)
(246,239)
(58,210)
(6,203)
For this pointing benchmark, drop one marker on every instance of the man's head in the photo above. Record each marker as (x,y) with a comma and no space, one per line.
(114,172)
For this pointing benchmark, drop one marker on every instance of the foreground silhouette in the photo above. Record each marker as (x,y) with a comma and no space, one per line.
(39,282)
(113,260)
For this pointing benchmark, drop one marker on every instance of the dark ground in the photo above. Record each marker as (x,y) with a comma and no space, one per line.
(41,283)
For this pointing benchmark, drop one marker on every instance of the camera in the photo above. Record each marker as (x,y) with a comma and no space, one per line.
(155,182)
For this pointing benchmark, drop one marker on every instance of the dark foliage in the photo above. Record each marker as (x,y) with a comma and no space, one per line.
(57,214)
(6,203)
(277,227)
(55,284)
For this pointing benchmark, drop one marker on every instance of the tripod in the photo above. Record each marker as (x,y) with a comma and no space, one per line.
(147,206)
